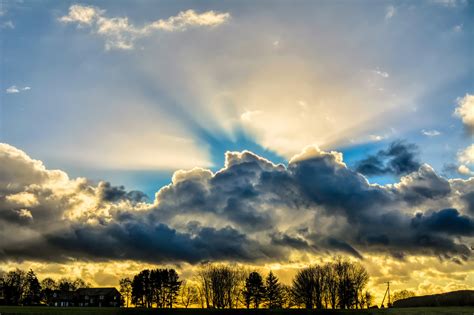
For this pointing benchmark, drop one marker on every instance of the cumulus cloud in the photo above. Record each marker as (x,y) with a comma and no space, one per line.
(466,156)
(465,111)
(464,170)
(400,158)
(119,33)
(15,89)
(251,210)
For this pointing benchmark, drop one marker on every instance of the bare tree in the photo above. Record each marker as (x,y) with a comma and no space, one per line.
(221,285)
(189,294)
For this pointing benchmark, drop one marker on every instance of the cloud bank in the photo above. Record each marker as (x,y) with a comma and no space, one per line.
(119,33)
(251,210)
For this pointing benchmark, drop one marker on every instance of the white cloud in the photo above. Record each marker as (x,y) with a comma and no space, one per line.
(465,110)
(464,170)
(7,24)
(25,213)
(12,89)
(81,14)
(250,114)
(376,137)
(450,3)
(120,34)
(15,89)
(466,156)
(390,12)
(430,133)
(383,74)
(458,28)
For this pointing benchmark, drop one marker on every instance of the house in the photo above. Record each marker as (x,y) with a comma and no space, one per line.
(87,297)
(98,297)
(62,298)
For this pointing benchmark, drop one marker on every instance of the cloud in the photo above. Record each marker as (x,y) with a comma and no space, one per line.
(251,210)
(383,74)
(466,156)
(7,24)
(390,12)
(458,28)
(14,89)
(119,33)
(430,133)
(450,3)
(465,111)
(400,158)
(464,170)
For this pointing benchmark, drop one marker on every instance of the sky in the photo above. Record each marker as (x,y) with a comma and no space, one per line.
(275,134)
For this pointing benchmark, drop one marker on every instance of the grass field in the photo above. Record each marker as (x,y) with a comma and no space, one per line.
(11,310)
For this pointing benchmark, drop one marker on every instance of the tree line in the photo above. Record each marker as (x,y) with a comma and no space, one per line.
(340,284)
(18,287)
(337,284)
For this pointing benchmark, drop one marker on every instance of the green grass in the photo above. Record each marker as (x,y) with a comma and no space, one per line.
(12,310)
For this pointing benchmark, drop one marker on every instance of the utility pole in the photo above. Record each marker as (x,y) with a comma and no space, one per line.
(387,292)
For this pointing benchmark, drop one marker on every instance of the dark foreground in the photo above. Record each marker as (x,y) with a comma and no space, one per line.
(10,310)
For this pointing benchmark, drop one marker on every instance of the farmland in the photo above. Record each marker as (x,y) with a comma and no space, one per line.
(13,310)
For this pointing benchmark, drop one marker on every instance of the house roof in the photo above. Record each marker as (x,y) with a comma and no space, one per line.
(97,291)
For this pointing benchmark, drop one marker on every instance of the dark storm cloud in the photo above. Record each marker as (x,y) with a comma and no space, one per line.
(448,221)
(109,193)
(144,241)
(399,158)
(250,210)
(469,200)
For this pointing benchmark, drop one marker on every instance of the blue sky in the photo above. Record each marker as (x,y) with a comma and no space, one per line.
(347,76)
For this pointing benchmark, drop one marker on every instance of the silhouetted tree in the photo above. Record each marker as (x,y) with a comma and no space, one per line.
(141,289)
(403,294)
(69,285)
(360,279)
(159,286)
(14,286)
(126,290)
(48,286)
(287,297)
(367,299)
(32,292)
(303,287)
(331,285)
(189,294)
(254,290)
(273,292)
(221,285)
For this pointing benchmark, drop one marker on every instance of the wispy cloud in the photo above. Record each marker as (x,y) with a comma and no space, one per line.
(430,133)
(119,33)
(458,28)
(390,12)
(16,89)
(7,24)
(381,73)
(450,3)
